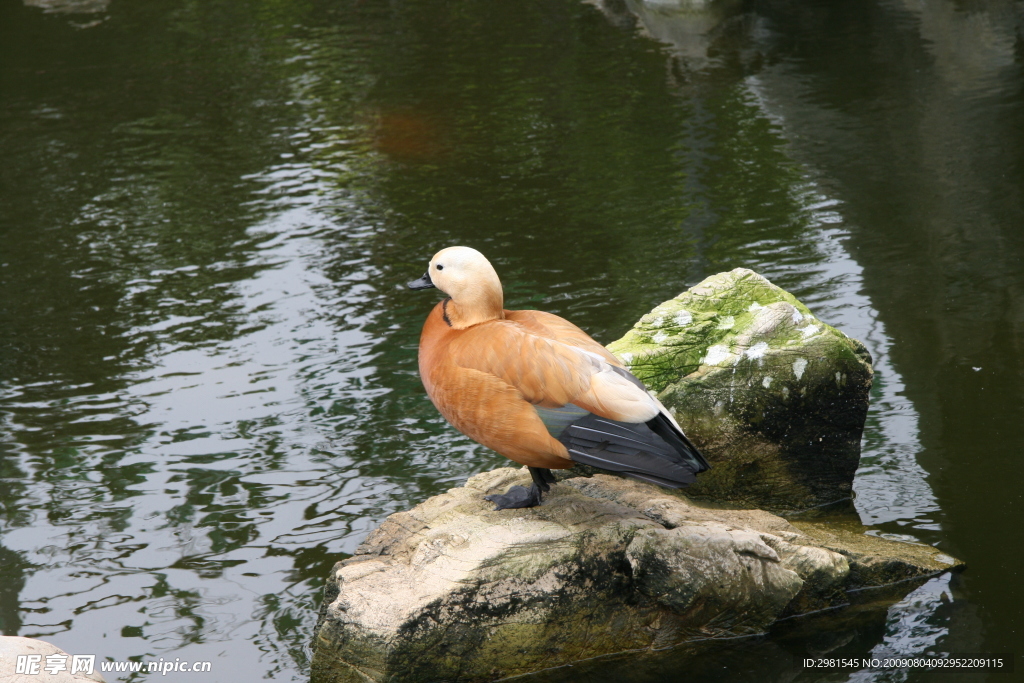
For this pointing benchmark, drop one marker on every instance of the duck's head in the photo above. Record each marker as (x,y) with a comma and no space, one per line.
(469,279)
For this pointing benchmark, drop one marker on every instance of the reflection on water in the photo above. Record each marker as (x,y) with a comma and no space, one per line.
(69,6)
(690,27)
(207,386)
(914,627)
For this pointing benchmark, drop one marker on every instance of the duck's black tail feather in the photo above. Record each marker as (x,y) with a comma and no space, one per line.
(655,451)
(664,427)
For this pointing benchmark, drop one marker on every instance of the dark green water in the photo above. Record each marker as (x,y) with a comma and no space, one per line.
(208,390)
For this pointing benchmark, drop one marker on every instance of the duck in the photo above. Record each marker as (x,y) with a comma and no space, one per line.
(539,390)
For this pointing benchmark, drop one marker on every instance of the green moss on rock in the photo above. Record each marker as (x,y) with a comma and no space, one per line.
(774,397)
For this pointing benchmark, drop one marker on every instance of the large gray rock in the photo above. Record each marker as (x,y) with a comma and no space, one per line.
(774,397)
(455,591)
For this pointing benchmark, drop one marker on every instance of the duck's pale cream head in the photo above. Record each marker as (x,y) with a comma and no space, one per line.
(469,279)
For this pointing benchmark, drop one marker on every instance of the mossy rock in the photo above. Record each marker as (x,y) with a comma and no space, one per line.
(453,590)
(774,397)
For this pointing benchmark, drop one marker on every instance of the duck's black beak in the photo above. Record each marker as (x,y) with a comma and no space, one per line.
(423,283)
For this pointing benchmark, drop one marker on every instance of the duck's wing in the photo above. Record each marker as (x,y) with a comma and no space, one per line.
(553,327)
(551,373)
(601,413)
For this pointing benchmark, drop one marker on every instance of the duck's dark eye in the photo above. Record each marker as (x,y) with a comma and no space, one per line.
(440,267)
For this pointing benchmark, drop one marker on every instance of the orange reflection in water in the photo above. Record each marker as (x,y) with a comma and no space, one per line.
(409,135)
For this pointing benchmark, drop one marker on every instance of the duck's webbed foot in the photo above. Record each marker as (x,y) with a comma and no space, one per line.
(522,497)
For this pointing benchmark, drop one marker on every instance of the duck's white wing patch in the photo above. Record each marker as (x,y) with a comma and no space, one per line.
(616,394)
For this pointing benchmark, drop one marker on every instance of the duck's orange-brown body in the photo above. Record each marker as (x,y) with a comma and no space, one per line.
(486,379)
(538,389)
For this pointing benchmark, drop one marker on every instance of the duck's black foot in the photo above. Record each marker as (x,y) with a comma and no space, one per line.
(516,497)
(542,478)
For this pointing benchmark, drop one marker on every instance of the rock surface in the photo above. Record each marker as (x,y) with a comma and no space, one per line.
(12,646)
(453,590)
(775,398)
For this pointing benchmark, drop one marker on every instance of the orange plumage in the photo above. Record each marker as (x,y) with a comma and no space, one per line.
(535,387)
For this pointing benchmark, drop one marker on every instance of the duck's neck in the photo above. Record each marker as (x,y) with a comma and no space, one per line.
(474,307)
